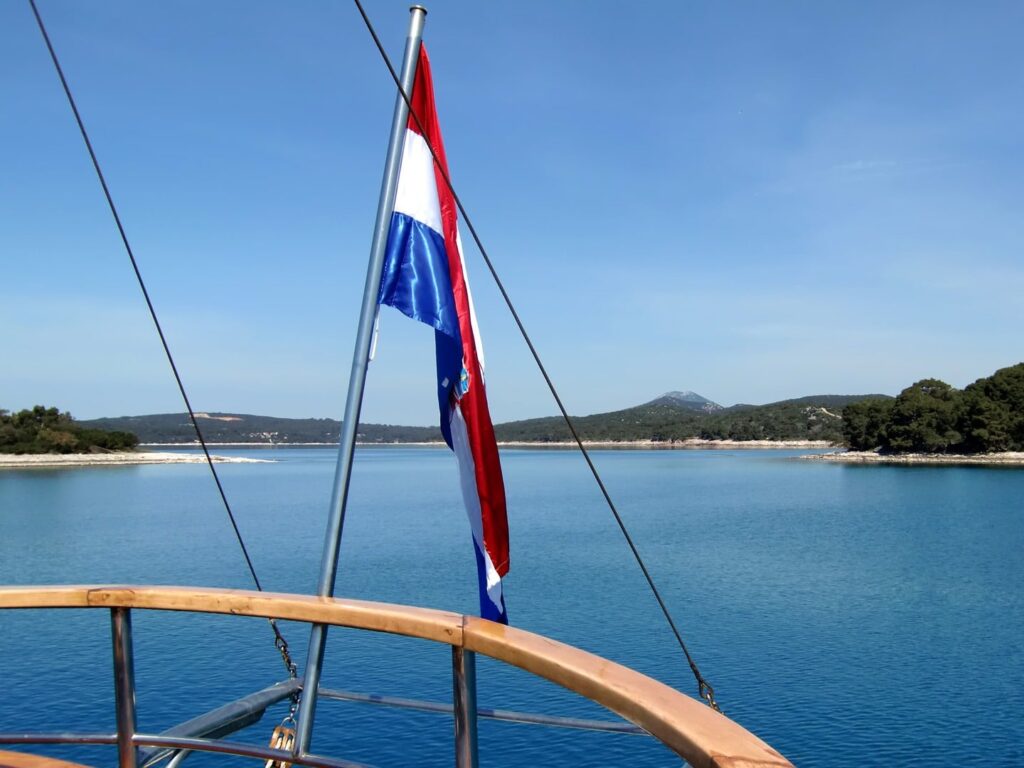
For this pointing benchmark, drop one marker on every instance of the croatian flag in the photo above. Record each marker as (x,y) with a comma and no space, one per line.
(424,277)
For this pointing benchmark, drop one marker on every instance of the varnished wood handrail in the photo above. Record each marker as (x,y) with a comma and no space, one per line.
(698,734)
(26,760)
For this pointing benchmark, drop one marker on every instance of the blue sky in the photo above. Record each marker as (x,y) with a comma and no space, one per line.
(751,200)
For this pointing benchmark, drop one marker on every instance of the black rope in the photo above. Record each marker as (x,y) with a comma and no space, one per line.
(706,692)
(279,640)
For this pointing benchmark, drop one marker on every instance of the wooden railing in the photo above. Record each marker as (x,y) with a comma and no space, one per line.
(695,732)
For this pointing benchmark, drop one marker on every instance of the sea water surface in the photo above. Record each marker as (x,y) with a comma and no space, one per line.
(848,615)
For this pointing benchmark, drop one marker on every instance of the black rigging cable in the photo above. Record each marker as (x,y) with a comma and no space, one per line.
(706,692)
(279,642)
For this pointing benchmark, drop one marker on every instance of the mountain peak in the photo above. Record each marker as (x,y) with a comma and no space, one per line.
(687,399)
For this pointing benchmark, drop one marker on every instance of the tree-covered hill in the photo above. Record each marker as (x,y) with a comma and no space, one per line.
(822,401)
(671,417)
(776,421)
(816,417)
(930,416)
(47,430)
(249,428)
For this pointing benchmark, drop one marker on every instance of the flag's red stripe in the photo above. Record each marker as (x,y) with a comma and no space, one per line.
(489,483)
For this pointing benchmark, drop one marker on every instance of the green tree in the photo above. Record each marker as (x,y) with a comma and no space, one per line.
(925,417)
(993,417)
(865,424)
(48,430)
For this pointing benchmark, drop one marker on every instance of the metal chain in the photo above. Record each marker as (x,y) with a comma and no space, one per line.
(293,671)
(282,647)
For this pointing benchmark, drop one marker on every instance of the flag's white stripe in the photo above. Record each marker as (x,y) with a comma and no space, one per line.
(417,188)
(472,308)
(417,197)
(471,497)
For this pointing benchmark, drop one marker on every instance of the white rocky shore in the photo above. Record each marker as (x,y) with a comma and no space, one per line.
(117,458)
(1009,458)
(693,443)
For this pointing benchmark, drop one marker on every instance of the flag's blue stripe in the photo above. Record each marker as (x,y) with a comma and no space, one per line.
(488,609)
(416,281)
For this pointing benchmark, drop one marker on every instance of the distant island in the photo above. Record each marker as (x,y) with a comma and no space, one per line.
(928,418)
(41,437)
(678,417)
(671,419)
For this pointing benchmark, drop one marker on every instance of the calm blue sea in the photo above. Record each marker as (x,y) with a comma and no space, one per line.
(850,616)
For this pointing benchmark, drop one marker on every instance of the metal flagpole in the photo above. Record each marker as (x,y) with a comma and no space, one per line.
(357,380)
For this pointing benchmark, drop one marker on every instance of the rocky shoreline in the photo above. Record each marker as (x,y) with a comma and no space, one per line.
(114,459)
(1008,459)
(127,458)
(692,444)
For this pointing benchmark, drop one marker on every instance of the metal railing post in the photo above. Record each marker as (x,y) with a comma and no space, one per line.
(124,685)
(464,699)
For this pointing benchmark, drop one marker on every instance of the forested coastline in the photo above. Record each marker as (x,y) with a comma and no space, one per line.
(930,416)
(48,430)
(664,421)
